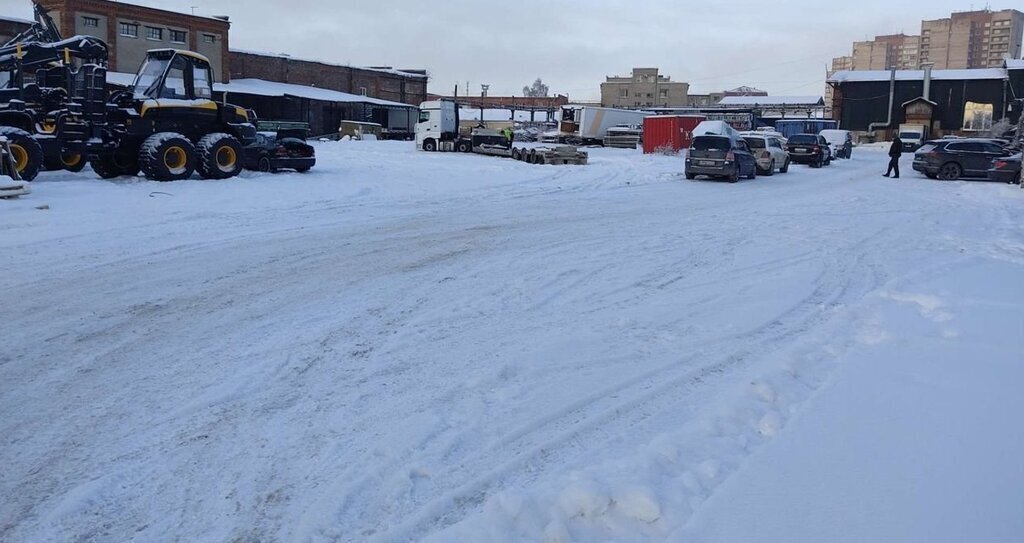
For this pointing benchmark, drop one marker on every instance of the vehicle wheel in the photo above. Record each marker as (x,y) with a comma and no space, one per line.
(116,164)
(691,176)
(950,171)
(430,145)
(531,156)
(771,169)
(816,163)
(517,154)
(753,172)
(463,147)
(734,176)
(167,156)
(220,156)
(931,175)
(264,164)
(26,152)
(73,162)
(539,159)
(303,169)
(785,167)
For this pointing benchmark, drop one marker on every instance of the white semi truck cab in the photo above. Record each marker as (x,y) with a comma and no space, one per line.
(438,127)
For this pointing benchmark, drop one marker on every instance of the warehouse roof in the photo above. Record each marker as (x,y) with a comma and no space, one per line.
(16,20)
(259,87)
(861,76)
(772,101)
(317,61)
(1015,64)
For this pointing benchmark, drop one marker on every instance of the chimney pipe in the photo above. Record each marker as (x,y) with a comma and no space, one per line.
(927,66)
(892,97)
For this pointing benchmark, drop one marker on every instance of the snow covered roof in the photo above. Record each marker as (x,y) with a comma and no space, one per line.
(860,76)
(318,61)
(1015,64)
(16,20)
(259,87)
(745,90)
(772,101)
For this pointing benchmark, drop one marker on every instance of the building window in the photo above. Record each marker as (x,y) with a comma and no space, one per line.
(130,30)
(362,91)
(178,36)
(623,93)
(92,22)
(154,33)
(664,93)
(209,38)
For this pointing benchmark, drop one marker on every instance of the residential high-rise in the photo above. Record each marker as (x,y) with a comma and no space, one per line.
(972,39)
(898,51)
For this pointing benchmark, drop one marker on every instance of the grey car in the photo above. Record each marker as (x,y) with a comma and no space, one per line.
(725,157)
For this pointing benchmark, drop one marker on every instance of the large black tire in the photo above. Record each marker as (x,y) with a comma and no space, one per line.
(264,164)
(770,171)
(785,167)
(464,147)
(950,171)
(430,145)
(691,176)
(734,176)
(517,153)
(753,172)
(220,156)
(167,156)
(66,161)
(111,165)
(26,152)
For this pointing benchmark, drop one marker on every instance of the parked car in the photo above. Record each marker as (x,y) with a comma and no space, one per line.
(841,142)
(769,152)
(809,149)
(1007,170)
(953,159)
(722,156)
(281,150)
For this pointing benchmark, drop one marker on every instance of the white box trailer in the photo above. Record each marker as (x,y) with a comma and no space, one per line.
(588,125)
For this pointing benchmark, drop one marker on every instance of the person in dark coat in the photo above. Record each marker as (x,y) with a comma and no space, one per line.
(895,150)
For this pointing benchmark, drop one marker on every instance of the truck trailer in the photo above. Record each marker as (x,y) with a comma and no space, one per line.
(438,131)
(588,125)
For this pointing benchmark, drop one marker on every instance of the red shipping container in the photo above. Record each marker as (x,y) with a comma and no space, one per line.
(673,133)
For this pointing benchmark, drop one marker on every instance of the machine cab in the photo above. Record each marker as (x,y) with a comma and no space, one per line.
(172,74)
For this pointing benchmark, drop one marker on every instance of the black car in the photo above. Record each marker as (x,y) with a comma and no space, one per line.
(953,159)
(725,156)
(1006,169)
(281,150)
(810,149)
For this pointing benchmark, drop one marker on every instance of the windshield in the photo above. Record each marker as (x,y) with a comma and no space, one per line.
(910,135)
(710,143)
(149,76)
(5,79)
(755,143)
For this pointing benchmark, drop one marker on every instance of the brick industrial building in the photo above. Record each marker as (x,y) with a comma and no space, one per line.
(131,30)
(406,86)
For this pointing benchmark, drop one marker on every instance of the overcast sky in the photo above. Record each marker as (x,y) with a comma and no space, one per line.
(780,46)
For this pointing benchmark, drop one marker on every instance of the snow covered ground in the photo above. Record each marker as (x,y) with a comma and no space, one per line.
(404,346)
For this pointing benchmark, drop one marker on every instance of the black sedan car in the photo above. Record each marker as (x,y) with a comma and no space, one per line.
(810,149)
(281,150)
(953,159)
(1006,169)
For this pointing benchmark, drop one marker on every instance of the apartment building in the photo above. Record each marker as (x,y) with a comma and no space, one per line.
(898,51)
(131,30)
(972,39)
(644,88)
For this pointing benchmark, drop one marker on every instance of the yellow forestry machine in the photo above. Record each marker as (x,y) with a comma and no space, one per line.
(55,112)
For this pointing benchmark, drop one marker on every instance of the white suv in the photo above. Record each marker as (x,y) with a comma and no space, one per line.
(770,152)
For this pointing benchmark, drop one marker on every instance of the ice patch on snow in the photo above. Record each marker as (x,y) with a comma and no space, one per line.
(931,307)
